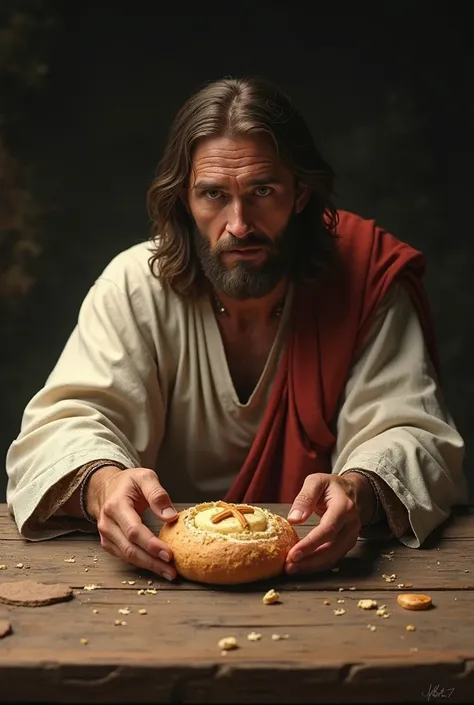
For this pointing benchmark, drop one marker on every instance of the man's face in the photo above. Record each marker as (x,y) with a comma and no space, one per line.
(243,201)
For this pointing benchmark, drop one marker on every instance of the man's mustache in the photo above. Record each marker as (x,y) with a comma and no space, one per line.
(240,243)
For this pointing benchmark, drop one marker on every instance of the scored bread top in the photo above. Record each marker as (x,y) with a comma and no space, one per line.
(253,524)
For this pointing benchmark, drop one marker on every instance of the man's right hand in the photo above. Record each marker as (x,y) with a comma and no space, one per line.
(116,499)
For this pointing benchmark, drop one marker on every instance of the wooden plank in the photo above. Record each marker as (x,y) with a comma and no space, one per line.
(459,526)
(447,566)
(171,654)
(190,629)
(230,683)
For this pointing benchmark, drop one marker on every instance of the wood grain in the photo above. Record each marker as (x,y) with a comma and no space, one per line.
(171,654)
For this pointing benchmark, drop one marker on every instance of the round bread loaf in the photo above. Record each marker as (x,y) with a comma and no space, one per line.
(225,544)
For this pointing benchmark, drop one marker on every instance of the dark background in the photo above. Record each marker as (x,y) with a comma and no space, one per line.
(88,94)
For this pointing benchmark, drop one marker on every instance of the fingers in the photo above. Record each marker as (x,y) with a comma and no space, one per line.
(313,489)
(120,510)
(115,542)
(156,496)
(120,525)
(340,511)
(331,524)
(328,554)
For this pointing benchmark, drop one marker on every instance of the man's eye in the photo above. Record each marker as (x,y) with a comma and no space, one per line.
(263,190)
(212,195)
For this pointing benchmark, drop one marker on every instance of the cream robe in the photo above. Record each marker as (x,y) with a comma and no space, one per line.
(143,381)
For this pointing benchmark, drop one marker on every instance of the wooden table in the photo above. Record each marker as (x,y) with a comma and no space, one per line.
(171,654)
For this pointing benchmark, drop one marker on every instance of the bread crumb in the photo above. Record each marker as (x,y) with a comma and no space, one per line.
(326,602)
(414,602)
(413,648)
(142,611)
(410,628)
(227,643)
(84,641)
(3,566)
(352,587)
(69,560)
(91,587)
(382,612)
(389,578)
(276,637)
(132,582)
(151,591)
(401,585)
(335,570)
(86,570)
(20,565)
(254,636)
(372,627)
(367,604)
(271,597)
(141,592)
(124,582)
(339,612)
(340,601)
(150,582)
(341,589)
(124,610)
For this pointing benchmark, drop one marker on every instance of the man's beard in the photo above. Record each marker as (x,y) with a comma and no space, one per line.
(244,279)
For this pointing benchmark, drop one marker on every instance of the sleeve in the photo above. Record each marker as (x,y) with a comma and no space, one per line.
(393,423)
(102,400)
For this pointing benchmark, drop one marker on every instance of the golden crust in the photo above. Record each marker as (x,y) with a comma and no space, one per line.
(219,559)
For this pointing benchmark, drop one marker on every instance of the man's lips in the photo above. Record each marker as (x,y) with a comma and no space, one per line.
(245,249)
(246,252)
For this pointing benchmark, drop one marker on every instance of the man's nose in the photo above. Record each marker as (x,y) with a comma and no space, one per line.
(238,222)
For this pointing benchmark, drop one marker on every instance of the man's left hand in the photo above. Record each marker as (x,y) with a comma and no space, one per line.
(344,503)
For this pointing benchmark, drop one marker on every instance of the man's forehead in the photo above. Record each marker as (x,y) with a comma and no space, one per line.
(233,157)
(235,149)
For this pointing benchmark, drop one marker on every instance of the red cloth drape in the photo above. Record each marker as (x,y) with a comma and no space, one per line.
(330,319)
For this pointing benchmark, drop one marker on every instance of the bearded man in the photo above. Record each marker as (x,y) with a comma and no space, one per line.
(262,347)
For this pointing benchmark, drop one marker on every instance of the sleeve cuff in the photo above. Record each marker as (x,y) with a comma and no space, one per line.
(393,511)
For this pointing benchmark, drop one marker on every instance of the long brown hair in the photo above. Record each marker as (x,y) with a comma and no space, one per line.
(235,107)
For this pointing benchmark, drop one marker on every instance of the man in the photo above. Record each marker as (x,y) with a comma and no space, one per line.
(263,347)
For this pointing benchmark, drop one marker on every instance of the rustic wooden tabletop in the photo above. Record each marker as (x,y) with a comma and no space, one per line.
(170,654)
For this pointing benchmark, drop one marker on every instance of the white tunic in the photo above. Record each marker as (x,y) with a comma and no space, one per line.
(143,380)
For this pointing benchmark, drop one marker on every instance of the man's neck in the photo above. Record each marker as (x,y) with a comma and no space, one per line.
(254,311)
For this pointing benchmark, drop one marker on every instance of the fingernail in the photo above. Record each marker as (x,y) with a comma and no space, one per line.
(168,513)
(297,556)
(167,575)
(292,568)
(164,556)
(295,514)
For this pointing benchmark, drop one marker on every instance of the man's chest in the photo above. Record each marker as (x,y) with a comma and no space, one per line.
(246,357)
